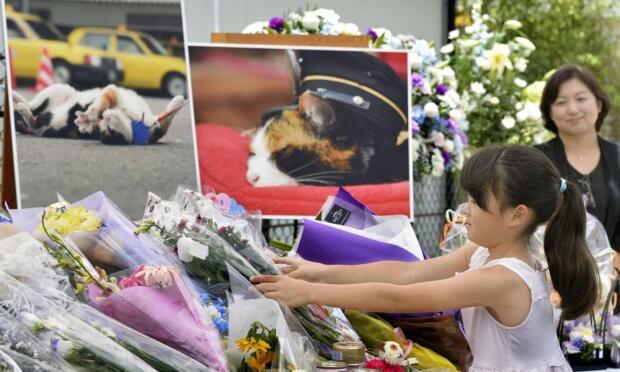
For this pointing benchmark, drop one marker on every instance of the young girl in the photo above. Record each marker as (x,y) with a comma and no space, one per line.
(495,280)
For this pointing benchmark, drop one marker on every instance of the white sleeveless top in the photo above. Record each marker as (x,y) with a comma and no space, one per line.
(532,345)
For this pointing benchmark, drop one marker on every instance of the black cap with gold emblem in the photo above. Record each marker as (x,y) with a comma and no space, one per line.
(360,88)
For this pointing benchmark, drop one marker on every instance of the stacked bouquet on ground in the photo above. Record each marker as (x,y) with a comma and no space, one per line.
(207,236)
(149,290)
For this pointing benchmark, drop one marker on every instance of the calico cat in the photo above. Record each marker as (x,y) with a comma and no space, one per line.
(109,114)
(348,125)
(306,145)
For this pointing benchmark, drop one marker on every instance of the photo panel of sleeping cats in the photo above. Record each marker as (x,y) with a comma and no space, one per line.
(99,101)
(280,129)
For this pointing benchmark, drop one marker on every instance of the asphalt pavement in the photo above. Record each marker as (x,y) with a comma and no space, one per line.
(77,168)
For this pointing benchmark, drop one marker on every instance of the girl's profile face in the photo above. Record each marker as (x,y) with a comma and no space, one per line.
(484,227)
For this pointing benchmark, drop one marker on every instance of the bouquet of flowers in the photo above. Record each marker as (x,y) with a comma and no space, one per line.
(69,337)
(438,123)
(318,21)
(206,249)
(25,258)
(25,349)
(489,60)
(392,359)
(148,278)
(266,334)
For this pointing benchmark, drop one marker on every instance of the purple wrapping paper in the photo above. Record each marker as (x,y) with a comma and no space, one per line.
(329,245)
(167,315)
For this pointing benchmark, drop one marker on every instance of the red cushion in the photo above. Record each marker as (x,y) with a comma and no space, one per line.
(223,155)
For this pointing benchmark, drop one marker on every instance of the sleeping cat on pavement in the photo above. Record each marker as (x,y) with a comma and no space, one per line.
(109,114)
(347,126)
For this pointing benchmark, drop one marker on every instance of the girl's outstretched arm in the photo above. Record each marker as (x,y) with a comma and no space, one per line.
(485,287)
(394,272)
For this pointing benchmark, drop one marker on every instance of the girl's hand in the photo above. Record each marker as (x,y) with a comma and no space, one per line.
(289,291)
(301,269)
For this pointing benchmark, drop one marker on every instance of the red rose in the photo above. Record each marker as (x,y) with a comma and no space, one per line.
(393,368)
(376,363)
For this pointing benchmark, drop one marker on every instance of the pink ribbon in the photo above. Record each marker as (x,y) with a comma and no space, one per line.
(401,339)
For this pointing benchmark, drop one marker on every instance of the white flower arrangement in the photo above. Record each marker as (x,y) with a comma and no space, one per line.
(489,59)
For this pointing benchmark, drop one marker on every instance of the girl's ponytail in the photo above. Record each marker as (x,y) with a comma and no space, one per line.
(573,270)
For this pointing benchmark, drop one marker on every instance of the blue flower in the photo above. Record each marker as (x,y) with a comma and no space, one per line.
(235,207)
(417,80)
(222,325)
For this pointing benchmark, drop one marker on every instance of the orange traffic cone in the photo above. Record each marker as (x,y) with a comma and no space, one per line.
(45,76)
(11,70)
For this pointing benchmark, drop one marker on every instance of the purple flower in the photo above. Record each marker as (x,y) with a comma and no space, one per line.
(415,127)
(441,89)
(276,23)
(417,80)
(463,137)
(447,157)
(373,35)
(451,126)
(54,344)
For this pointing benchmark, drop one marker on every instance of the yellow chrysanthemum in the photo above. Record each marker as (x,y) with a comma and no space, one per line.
(261,345)
(64,221)
(260,360)
(244,344)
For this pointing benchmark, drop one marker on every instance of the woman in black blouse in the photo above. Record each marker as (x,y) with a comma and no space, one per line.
(574,107)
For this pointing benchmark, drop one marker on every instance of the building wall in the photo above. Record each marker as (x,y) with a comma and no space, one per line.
(426,19)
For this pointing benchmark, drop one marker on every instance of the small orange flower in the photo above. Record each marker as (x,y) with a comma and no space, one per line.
(261,345)
(260,360)
(244,344)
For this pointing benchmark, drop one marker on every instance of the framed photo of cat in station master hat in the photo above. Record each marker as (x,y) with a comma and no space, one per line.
(280,129)
(99,101)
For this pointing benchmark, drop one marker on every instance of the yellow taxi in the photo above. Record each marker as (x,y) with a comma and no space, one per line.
(146,63)
(29,34)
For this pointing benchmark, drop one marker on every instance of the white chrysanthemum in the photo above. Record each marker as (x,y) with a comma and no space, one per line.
(416,61)
(187,249)
(483,63)
(256,28)
(522,115)
(477,88)
(513,24)
(431,110)
(520,82)
(459,160)
(519,106)
(347,29)
(328,15)
(393,353)
(310,21)
(294,17)
(508,122)
(456,115)
(533,110)
(470,29)
(453,34)
(493,100)
(448,73)
(525,43)
(448,146)
(521,64)
(387,34)
(468,44)
(447,49)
